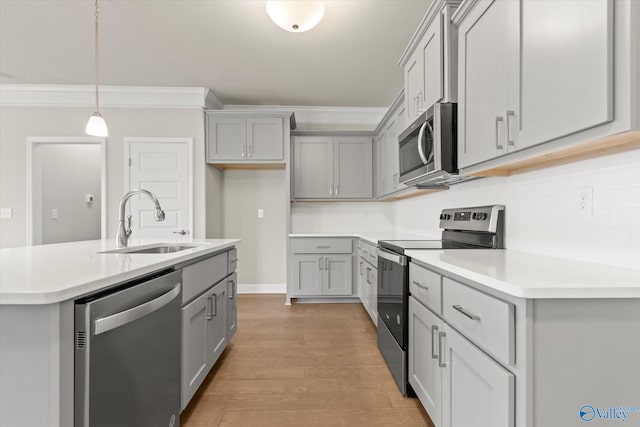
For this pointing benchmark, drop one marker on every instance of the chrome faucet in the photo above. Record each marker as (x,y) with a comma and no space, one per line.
(124,230)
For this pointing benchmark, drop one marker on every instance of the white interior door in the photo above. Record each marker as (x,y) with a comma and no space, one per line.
(162,166)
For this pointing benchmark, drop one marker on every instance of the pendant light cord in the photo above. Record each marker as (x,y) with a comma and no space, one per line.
(97,72)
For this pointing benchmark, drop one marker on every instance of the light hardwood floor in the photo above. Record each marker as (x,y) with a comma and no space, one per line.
(305,364)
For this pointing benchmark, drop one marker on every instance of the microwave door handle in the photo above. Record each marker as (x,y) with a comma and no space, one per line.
(420,149)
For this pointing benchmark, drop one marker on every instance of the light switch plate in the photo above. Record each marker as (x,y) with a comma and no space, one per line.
(6,213)
(54,213)
(260,213)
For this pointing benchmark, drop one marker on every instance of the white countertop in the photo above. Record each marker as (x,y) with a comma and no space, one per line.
(47,274)
(529,275)
(371,236)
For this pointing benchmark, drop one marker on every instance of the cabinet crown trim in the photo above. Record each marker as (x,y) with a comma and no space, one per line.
(434,9)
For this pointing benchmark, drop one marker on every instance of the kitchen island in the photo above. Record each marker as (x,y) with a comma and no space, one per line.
(38,287)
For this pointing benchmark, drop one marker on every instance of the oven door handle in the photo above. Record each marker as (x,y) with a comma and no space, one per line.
(398,259)
(420,148)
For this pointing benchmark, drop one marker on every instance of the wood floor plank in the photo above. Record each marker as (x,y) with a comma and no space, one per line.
(305,364)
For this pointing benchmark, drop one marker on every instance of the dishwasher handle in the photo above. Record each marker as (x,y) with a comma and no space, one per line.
(108,323)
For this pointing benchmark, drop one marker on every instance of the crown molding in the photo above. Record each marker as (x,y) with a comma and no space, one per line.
(319,118)
(23,95)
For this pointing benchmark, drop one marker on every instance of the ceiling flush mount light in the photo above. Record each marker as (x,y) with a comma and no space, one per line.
(96,126)
(295,16)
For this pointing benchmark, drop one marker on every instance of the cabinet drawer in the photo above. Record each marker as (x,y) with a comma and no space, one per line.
(321,245)
(196,278)
(369,252)
(483,319)
(426,287)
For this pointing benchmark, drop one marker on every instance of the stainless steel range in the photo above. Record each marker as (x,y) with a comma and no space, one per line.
(479,227)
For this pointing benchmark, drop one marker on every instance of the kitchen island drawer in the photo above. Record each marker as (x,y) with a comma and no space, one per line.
(196,278)
(426,287)
(486,320)
(321,245)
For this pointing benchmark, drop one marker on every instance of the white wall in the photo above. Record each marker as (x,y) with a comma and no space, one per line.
(542,212)
(262,252)
(67,173)
(17,123)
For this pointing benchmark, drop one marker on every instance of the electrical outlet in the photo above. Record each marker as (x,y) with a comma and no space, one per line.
(585,200)
(6,213)
(260,213)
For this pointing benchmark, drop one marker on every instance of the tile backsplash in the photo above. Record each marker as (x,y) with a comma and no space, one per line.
(542,210)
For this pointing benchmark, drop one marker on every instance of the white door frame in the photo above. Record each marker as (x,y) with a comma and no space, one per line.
(127,172)
(33,199)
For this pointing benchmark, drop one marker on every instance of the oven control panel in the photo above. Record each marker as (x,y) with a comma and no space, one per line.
(480,218)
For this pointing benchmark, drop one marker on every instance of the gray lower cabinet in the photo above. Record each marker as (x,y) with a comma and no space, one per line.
(232,307)
(321,266)
(456,382)
(204,337)
(319,275)
(332,167)
(209,317)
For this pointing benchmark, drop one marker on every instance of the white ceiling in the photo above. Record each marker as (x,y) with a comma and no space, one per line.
(231,46)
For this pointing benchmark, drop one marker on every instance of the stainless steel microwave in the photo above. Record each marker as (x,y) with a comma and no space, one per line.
(428,148)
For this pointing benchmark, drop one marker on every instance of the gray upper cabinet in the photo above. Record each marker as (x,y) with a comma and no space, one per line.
(330,167)
(243,137)
(429,61)
(529,88)
(387,149)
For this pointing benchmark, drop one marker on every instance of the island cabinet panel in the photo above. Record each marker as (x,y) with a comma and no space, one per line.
(195,344)
(208,321)
(232,307)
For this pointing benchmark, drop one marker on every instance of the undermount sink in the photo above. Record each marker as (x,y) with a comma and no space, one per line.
(152,249)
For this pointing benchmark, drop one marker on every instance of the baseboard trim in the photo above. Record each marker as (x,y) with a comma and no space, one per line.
(263,288)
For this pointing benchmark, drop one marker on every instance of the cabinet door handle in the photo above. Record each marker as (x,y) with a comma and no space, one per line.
(231,282)
(441,362)
(434,355)
(330,190)
(326,263)
(337,190)
(415,282)
(320,263)
(498,120)
(209,315)
(215,305)
(361,268)
(420,103)
(323,247)
(466,313)
(244,147)
(510,141)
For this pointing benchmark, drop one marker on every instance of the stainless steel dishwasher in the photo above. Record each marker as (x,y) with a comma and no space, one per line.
(127,354)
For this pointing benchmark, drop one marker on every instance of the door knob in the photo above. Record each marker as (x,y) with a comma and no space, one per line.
(181,232)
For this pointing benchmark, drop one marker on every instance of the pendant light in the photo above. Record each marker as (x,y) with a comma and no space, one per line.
(295,16)
(96,126)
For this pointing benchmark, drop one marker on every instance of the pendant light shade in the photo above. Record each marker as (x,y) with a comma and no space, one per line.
(295,16)
(96,126)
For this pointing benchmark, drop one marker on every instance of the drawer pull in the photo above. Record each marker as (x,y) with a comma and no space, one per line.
(434,329)
(441,362)
(323,246)
(415,282)
(469,315)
